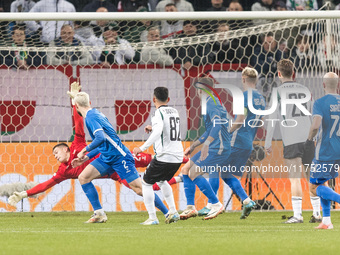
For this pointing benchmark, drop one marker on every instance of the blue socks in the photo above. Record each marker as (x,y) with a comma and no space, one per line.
(160,205)
(189,189)
(214,181)
(327,193)
(92,195)
(236,186)
(326,207)
(206,189)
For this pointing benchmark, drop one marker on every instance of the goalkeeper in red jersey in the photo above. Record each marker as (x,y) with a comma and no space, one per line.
(65,154)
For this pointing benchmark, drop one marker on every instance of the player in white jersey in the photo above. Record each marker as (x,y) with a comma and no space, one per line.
(166,137)
(293,126)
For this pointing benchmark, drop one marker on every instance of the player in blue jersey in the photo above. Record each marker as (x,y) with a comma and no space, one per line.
(215,149)
(325,166)
(243,134)
(114,156)
(243,130)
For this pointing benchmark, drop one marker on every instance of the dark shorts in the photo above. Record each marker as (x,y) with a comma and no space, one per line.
(293,151)
(160,171)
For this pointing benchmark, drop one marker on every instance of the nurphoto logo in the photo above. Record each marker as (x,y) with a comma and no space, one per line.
(298,97)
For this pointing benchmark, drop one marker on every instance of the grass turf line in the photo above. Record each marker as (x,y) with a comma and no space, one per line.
(65,233)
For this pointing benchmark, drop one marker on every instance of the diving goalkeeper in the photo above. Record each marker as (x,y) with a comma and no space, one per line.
(65,154)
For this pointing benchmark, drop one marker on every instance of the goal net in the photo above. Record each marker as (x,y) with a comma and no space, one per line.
(119,63)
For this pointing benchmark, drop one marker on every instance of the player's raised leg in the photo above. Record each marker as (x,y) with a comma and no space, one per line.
(326,195)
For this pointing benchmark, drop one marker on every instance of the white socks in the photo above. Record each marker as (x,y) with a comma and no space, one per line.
(315,201)
(100,211)
(168,195)
(297,207)
(326,220)
(246,201)
(149,200)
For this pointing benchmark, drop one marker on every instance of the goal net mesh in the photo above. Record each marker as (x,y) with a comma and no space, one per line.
(119,63)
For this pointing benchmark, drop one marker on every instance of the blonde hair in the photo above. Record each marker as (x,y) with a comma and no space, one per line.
(82,99)
(251,74)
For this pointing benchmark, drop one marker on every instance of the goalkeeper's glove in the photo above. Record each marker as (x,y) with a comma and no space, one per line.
(16,198)
(75,88)
(308,154)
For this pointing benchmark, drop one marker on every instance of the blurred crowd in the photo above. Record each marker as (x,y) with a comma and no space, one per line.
(158,5)
(261,51)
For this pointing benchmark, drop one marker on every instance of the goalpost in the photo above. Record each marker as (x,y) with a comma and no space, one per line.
(35,111)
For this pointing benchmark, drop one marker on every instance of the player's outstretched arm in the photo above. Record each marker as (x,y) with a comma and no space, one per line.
(16,198)
(79,139)
(75,88)
(41,187)
(78,127)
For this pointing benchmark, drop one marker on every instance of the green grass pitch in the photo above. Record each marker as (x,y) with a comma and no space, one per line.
(65,233)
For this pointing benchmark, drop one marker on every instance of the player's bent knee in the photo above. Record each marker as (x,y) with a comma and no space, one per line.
(138,191)
(88,174)
(82,179)
(194,172)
